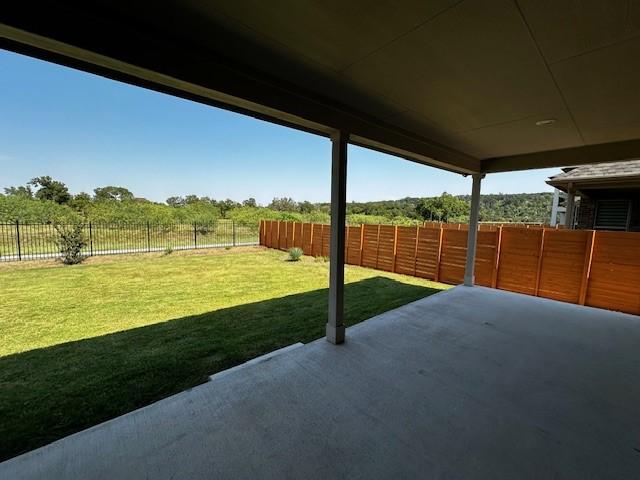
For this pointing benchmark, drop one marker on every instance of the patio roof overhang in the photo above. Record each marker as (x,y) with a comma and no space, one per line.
(467,86)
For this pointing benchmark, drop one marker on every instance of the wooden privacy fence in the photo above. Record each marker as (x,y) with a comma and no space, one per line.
(596,268)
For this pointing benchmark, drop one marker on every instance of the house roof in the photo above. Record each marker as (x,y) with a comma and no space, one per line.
(472,86)
(611,173)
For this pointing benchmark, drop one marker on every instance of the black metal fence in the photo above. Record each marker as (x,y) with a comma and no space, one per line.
(33,241)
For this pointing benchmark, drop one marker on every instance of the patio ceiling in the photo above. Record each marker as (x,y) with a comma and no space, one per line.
(456,84)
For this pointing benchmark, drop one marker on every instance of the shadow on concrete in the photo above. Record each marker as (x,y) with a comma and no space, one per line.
(48,393)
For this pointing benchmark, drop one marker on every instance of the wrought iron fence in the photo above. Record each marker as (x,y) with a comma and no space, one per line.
(33,241)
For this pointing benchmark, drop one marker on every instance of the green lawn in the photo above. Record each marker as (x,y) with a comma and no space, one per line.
(83,344)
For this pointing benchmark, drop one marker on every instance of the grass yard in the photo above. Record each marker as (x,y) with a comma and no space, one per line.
(84,344)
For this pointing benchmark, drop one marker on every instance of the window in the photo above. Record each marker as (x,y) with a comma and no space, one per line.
(612,215)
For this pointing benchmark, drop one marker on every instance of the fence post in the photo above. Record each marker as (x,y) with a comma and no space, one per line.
(586,269)
(18,239)
(415,252)
(311,240)
(439,253)
(361,242)
(539,270)
(195,235)
(378,245)
(148,237)
(90,240)
(496,264)
(233,232)
(395,247)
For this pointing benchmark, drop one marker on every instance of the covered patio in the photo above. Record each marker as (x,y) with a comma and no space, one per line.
(472,383)
(468,383)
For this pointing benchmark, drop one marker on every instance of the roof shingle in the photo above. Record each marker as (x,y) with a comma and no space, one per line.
(601,170)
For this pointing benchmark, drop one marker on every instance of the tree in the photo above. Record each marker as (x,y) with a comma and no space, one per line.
(26,191)
(250,202)
(442,208)
(191,199)
(111,193)
(283,204)
(225,206)
(50,189)
(306,207)
(80,202)
(175,201)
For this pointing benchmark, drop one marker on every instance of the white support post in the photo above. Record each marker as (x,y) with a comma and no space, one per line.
(472,238)
(570,205)
(335,322)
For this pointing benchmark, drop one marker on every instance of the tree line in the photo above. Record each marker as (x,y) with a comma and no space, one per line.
(45,199)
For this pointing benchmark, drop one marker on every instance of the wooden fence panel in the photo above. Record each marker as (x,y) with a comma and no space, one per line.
(386,247)
(265,233)
(306,238)
(428,256)
(354,247)
(486,251)
(297,235)
(520,251)
(317,240)
(275,236)
(562,264)
(453,255)
(370,246)
(406,250)
(326,238)
(282,235)
(289,230)
(600,269)
(614,280)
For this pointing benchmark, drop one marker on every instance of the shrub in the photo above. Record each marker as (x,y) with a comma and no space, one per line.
(294,254)
(167,251)
(70,242)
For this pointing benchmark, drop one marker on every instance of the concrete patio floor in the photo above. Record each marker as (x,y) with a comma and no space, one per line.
(468,383)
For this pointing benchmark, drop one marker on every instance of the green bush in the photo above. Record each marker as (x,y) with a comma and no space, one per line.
(70,241)
(295,254)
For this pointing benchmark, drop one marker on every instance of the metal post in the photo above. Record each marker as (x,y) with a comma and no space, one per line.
(148,237)
(569,206)
(90,240)
(472,238)
(335,324)
(18,239)
(195,235)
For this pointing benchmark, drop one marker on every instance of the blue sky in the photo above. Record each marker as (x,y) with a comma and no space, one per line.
(89,131)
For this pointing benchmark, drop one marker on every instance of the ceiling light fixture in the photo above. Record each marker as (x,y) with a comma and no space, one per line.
(546,121)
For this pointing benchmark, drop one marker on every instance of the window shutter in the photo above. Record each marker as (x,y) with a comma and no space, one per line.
(612,214)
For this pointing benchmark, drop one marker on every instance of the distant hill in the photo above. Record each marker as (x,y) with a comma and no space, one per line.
(501,207)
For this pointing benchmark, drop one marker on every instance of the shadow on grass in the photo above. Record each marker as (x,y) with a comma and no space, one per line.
(49,393)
